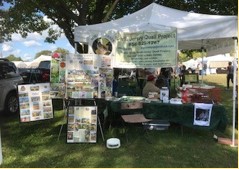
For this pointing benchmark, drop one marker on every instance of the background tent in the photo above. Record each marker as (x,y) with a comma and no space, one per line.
(192,63)
(20,64)
(212,32)
(35,63)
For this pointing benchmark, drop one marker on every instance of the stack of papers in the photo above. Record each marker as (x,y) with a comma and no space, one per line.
(176,101)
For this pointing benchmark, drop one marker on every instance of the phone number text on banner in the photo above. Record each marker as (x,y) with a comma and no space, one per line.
(146,49)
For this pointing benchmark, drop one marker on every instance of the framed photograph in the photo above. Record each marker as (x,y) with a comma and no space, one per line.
(191,78)
(82,124)
(202,114)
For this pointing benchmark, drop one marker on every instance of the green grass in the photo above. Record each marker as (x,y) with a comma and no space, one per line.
(35,145)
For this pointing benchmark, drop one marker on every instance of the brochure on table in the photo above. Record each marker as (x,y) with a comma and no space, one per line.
(35,102)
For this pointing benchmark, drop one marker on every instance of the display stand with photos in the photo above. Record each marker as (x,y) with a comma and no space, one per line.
(82,122)
(35,102)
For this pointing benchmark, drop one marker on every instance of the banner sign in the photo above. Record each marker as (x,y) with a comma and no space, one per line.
(35,102)
(82,124)
(146,50)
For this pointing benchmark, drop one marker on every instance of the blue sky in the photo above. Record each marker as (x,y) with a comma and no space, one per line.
(26,48)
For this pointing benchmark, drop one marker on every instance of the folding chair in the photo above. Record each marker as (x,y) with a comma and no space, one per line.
(136,116)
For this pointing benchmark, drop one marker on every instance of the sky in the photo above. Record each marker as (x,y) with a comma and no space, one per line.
(27,48)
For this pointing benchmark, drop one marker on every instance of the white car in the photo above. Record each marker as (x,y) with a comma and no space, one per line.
(9,79)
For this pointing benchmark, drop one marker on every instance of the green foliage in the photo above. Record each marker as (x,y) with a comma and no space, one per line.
(62,51)
(13,58)
(43,52)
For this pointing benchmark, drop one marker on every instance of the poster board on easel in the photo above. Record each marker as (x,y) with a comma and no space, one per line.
(82,124)
(35,102)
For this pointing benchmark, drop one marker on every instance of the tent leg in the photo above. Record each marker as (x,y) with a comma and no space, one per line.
(234,92)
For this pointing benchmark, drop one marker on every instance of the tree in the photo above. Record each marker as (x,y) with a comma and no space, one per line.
(43,52)
(26,16)
(13,58)
(61,51)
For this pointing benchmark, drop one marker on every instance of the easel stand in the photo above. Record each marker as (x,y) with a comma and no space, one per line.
(32,76)
(78,102)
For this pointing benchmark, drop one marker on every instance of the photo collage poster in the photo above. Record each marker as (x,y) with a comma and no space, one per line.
(57,76)
(35,102)
(82,124)
(105,82)
(202,114)
(83,75)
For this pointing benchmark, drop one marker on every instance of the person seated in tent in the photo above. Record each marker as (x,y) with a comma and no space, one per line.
(150,86)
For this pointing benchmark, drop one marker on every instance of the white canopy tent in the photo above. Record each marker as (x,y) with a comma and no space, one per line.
(194,30)
(214,33)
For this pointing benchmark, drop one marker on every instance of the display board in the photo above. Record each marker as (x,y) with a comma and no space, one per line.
(146,49)
(35,102)
(82,124)
(88,76)
(57,76)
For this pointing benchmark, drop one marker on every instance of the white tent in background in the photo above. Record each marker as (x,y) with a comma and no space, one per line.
(27,63)
(216,61)
(20,64)
(35,63)
(192,63)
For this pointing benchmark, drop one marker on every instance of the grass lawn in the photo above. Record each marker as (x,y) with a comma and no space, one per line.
(35,145)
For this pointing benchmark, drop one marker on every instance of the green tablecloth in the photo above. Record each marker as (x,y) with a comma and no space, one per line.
(182,114)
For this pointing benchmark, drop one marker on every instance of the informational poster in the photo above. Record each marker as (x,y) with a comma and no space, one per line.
(102,61)
(202,114)
(88,76)
(146,49)
(82,124)
(105,82)
(81,77)
(57,77)
(35,102)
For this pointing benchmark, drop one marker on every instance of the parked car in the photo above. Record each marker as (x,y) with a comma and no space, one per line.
(221,70)
(41,74)
(9,79)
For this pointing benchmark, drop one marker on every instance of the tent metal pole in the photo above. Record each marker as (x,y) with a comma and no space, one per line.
(234,92)
(202,65)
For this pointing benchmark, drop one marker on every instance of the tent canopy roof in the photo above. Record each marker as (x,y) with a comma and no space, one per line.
(194,30)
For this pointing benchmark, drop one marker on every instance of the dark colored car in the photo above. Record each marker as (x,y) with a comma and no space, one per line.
(37,75)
